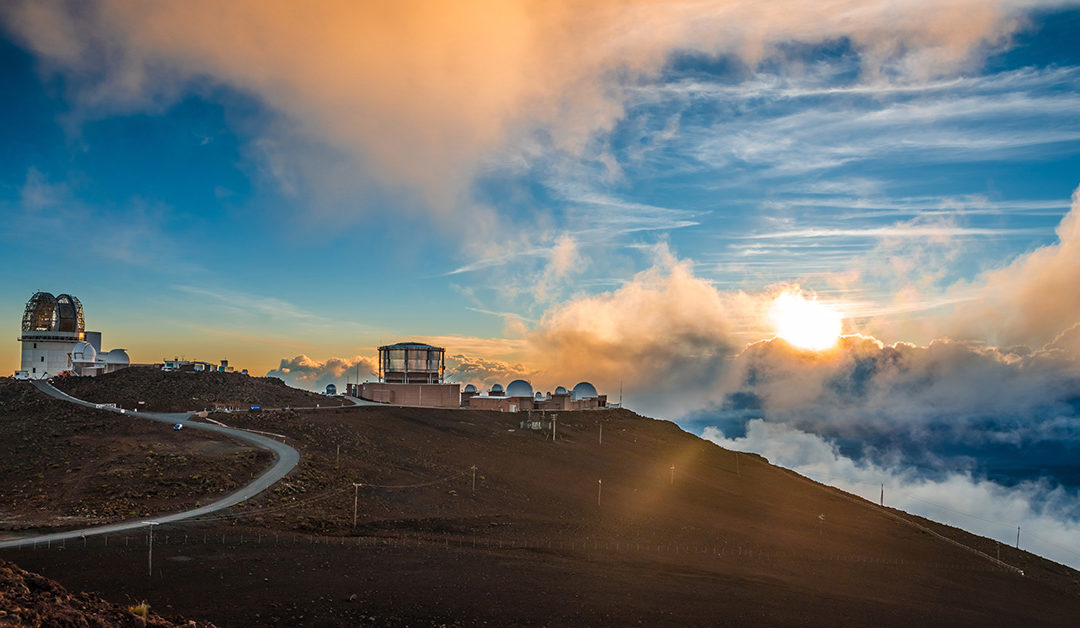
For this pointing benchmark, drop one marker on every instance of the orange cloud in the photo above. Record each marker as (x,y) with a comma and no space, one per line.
(423,93)
(1032,299)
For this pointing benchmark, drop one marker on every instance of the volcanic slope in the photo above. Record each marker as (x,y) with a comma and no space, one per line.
(654,525)
(148,388)
(64,465)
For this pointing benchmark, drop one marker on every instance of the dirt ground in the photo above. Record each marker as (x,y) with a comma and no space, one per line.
(570,531)
(63,465)
(150,389)
(29,599)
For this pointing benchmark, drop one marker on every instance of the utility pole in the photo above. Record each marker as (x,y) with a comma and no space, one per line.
(1017,537)
(601,433)
(673,475)
(620,393)
(355,501)
(599,489)
(150,549)
(882,503)
(473,479)
(553,420)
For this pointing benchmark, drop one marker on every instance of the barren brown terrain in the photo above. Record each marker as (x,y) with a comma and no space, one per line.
(569,531)
(28,599)
(148,388)
(62,465)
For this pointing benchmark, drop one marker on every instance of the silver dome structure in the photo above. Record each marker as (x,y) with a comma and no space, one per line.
(519,388)
(561,390)
(83,353)
(496,390)
(584,390)
(469,388)
(117,356)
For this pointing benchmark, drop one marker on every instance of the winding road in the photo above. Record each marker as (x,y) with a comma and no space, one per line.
(285,458)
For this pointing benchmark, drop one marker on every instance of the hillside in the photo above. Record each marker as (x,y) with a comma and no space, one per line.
(64,465)
(569,531)
(29,599)
(150,389)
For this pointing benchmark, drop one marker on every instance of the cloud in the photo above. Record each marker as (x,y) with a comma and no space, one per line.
(423,95)
(1031,299)
(304,372)
(483,372)
(243,305)
(662,334)
(1049,514)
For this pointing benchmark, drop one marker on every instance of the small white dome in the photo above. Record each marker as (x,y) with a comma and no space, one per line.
(117,356)
(519,388)
(469,388)
(497,389)
(561,390)
(84,353)
(584,390)
(539,395)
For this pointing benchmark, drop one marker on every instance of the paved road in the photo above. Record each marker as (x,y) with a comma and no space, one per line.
(285,458)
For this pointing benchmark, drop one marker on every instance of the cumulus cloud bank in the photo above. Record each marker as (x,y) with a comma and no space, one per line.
(304,372)
(483,372)
(1030,300)
(421,93)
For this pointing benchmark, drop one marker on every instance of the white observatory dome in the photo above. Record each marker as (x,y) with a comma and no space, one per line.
(539,395)
(469,388)
(584,390)
(117,356)
(561,390)
(497,389)
(519,388)
(84,353)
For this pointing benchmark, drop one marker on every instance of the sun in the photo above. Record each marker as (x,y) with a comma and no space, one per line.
(805,323)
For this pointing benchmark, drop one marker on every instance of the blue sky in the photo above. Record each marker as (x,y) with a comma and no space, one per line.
(556,192)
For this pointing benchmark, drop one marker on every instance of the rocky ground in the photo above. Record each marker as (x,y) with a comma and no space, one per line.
(63,465)
(29,599)
(148,388)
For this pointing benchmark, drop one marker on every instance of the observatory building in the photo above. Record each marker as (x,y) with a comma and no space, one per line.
(55,341)
(518,396)
(411,374)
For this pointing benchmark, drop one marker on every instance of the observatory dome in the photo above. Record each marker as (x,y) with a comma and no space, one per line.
(539,395)
(469,388)
(117,356)
(561,390)
(519,388)
(584,390)
(83,353)
(44,312)
(497,389)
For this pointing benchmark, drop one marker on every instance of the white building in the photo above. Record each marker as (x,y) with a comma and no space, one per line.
(55,341)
